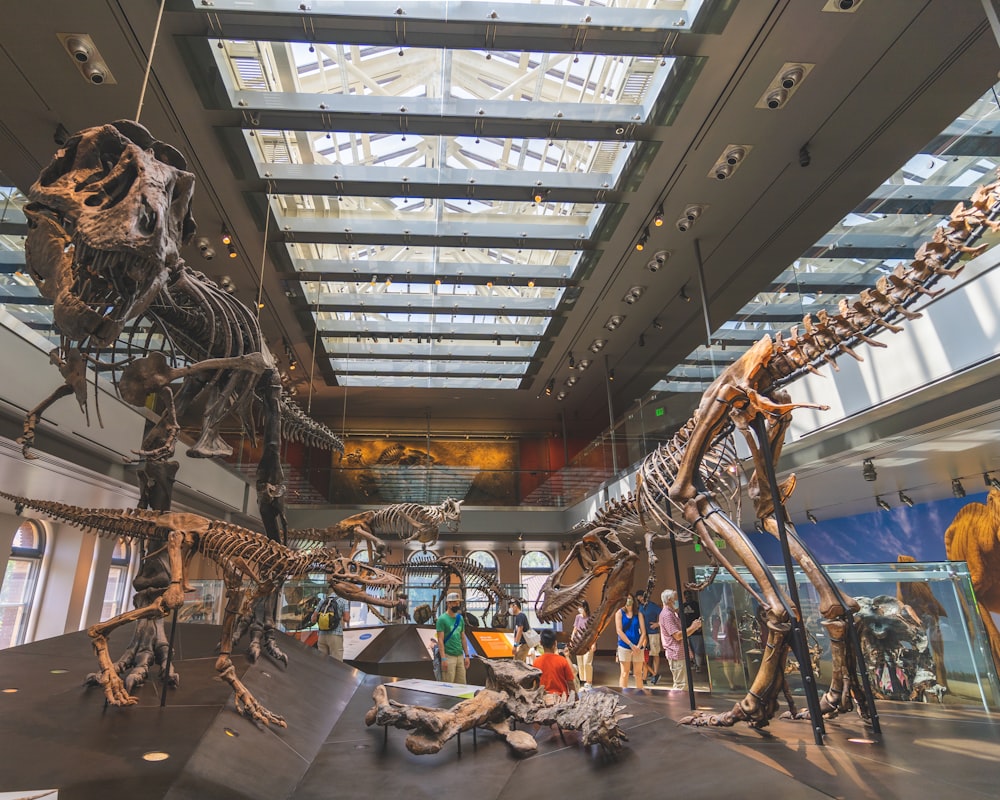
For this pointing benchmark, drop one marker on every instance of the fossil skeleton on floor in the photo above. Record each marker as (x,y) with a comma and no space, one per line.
(106,221)
(674,484)
(252,566)
(511,695)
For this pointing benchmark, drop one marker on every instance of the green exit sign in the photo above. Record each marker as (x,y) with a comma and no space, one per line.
(659,412)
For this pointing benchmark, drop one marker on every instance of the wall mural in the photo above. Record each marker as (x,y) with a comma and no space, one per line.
(397,471)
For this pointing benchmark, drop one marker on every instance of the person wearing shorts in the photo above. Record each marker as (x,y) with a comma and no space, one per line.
(631,629)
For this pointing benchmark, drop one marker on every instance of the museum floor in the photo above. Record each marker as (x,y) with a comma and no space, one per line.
(58,735)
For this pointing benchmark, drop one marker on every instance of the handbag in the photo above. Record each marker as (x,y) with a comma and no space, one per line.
(532,638)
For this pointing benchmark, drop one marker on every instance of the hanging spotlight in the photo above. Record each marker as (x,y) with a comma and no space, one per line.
(882,504)
(539,195)
(232,251)
(812,518)
(957,489)
(549,387)
(868,470)
(227,238)
(684,294)
(990,481)
(641,244)
(642,340)
(657,324)
(572,361)
(658,218)
(611,375)
(903,498)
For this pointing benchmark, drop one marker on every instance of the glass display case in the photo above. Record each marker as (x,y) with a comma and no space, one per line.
(919,626)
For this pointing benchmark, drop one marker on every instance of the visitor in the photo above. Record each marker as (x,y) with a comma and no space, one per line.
(672,638)
(557,673)
(585,659)
(690,611)
(727,638)
(651,616)
(631,631)
(452,641)
(331,617)
(519,622)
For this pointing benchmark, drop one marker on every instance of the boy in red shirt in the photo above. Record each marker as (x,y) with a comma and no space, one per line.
(557,673)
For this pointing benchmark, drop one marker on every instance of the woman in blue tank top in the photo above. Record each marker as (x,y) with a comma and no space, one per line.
(631,641)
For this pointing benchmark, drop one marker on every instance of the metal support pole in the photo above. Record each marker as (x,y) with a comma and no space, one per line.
(702,292)
(684,633)
(799,643)
(611,418)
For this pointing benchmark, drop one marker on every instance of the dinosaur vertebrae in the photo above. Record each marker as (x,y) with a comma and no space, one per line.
(472,574)
(826,336)
(410,521)
(296,426)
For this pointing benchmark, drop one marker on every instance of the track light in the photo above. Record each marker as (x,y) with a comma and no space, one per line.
(812,518)
(642,340)
(227,238)
(540,195)
(868,470)
(906,499)
(990,481)
(657,325)
(549,387)
(641,244)
(611,375)
(232,251)
(684,295)
(658,217)
(882,504)
(957,489)
(572,361)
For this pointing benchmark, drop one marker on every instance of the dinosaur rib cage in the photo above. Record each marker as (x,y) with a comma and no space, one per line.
(472,574)
(406,519)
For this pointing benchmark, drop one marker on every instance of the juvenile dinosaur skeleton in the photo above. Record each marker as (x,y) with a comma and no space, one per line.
(512,694)
(252,566)
(674,483)
(106,221)
(408,522)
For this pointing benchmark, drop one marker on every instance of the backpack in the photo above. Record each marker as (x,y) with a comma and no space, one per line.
(329,620)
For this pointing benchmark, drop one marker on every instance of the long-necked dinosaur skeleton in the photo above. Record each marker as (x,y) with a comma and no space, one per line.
(106,221)
(252,566)
(675,482)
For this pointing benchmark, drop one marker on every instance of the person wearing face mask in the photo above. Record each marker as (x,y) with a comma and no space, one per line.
(452,641)
(631,628)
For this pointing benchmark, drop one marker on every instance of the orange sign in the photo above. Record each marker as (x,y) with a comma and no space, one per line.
(495,644)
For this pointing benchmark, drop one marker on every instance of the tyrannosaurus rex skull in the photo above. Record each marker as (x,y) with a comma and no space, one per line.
(106,219)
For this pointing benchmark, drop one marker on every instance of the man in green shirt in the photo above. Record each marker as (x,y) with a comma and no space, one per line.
(452,641)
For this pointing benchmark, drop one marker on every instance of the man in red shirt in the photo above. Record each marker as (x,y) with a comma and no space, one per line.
(557,673)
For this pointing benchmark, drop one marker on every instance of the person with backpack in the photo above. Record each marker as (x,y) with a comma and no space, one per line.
(519,622)
(331,616)
(452,641)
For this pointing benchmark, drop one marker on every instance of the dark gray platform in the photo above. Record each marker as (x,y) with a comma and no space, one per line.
(57,735)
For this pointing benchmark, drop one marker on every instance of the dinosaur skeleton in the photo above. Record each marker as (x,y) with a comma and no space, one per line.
(408,522)
(252,566)
(511,694)
(674,483)
(106,220)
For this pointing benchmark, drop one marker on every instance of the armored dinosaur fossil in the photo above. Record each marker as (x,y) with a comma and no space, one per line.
(251,563)
(106,221)
(748,396)
(511,693)
(407,522)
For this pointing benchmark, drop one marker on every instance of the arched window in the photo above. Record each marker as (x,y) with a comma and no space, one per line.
(536,566)
(475,600)
(20,581)
(117,589)
(419,587)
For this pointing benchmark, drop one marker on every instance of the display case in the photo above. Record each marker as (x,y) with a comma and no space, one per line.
(919,627)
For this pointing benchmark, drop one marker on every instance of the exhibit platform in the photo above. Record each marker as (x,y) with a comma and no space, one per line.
(59,735)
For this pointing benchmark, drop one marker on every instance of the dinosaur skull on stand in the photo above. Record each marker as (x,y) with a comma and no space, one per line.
(106,220)
(558,598)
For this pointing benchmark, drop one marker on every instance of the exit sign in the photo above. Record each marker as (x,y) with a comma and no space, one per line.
(659,412)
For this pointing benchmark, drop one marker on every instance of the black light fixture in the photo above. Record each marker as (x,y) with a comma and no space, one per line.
(572,361)
(549,387)
(868,470)
(684,294)
(957,489)
(611,375)
(904,498)
(812,518)
(232,251)
(990,481)
(657,325)
(882,504)
(227,237)
(539,195)
(658,217)
(641,244)
(642,340)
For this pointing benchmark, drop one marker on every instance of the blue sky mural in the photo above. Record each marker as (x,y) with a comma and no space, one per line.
(878,536)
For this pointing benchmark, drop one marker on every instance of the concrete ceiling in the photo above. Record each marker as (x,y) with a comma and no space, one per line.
(887,78)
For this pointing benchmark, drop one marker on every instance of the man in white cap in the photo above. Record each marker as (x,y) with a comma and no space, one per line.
(452,641)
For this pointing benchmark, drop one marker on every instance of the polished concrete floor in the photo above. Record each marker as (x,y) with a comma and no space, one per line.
(56,734)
